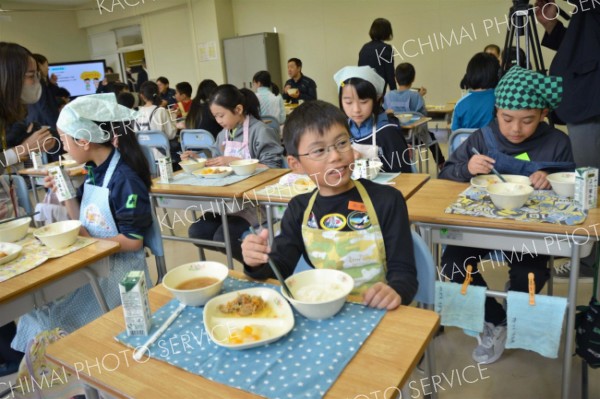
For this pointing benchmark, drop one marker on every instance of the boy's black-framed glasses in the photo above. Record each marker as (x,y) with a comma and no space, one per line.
(320,153)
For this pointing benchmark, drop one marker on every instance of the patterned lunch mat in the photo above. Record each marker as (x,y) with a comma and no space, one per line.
(193,180)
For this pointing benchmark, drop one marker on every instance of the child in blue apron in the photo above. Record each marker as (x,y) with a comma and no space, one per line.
(112,204)
(520,143)
(374,133)
(244,136)
(359,226)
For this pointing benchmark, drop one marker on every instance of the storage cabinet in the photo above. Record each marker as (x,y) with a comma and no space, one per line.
(246,55)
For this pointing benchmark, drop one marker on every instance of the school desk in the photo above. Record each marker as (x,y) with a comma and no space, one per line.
(426,210)
(385,360)
(407,183)
(181,196)
(53,278)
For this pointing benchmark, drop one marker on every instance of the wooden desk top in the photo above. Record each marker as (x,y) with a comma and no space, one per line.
(231,191)
(44,172)
(440,109)
(55,268)
(423,120)
(385,360)
(429,203)
(407,183)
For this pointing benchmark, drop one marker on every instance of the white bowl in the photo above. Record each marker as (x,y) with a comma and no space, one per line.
(563,183)
(244,167)
(509,195)
(484,181)
(9,252)
(404,118)
(189,271)
(292,91)
(190,165)
(60,234)
(319,293)
(15,230)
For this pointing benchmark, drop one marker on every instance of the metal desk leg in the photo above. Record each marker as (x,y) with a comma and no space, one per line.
(270,224)
(572,302)
(36,199)
(91,392)
(226,236)
(96,288)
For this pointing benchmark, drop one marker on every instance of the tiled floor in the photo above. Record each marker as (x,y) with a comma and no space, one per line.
(518,374)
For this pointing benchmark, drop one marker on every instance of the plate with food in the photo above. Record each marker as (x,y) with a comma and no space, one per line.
(483,181)
(248,318)
(298,183)
(9,251)
(214,172)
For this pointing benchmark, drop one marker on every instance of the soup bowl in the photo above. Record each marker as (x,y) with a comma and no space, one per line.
(244,167)
(14,230)
(60,234)
(190,165)
(509,195)
(193,284)
(563,183)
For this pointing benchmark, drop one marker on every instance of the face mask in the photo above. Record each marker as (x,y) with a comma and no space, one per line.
(31,93)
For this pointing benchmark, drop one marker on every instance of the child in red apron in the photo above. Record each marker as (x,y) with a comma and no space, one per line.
(359,226)
(244,136)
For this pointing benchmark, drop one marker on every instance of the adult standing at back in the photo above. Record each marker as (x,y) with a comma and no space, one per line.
(298,86)
(377,54)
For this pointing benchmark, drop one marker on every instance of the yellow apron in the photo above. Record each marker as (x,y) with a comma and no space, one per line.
(360,253)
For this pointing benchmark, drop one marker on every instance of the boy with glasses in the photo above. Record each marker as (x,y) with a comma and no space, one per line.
(359,227)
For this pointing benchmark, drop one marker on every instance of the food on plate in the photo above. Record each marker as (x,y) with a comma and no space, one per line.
(195,283)
(212,171)
(318,292)
(244,305)
(246,334)
(3,254)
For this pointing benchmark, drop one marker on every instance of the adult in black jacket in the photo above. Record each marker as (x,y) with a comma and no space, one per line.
(377,54)
(577,60)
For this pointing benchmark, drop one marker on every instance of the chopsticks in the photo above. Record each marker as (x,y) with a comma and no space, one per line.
(493,169)
(276,271)
(18,217)
(139,352)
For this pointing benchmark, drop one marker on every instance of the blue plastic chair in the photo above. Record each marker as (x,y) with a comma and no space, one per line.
(457,138)
(199,139)
(425,297)
(150,139)
(153,241)
(22,192)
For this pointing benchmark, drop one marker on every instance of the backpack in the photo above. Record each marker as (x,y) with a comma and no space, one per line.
(587,326)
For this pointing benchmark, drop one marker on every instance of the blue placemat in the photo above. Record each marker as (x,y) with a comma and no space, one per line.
(385,177)
(303,364)
(192,180)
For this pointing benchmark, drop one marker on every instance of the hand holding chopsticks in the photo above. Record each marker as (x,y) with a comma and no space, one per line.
(483,168)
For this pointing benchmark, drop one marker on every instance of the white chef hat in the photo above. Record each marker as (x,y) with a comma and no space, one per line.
(77,118)
(364,72)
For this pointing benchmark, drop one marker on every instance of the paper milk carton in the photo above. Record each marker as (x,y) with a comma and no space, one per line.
(36,158)
(165,168)
(62,182)
(586,187)
(136,308)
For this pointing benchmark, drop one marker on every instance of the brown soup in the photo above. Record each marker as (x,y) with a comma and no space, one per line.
(195,283)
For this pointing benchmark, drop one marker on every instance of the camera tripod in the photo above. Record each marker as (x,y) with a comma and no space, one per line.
(522,23)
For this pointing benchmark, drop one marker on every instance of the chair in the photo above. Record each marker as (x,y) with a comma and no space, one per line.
(150,139)
(199,139)
(457,138)
(272,122)
(425,297)
(22,192)
(153,241)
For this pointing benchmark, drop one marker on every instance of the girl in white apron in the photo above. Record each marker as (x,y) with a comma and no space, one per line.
(374,134)
(243,136)
(114,205)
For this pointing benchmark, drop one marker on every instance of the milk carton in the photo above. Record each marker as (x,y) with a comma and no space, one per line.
(586,187)
(165,168)
(36,158)
(62,182)
(136,308)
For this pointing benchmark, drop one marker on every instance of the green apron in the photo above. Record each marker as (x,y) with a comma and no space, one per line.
(360,252)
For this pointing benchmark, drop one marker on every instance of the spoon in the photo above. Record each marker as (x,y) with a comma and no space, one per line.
(493,169)
(276,271)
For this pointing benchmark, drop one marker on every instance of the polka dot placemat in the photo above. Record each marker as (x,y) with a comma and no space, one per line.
(303,364)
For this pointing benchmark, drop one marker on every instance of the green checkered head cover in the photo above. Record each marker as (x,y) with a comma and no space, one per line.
(521,88)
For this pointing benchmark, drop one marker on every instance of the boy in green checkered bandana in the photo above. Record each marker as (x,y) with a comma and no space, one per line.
(519,142)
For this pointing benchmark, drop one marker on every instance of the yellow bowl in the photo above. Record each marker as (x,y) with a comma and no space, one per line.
(15,230)
(60,234)
(198,296)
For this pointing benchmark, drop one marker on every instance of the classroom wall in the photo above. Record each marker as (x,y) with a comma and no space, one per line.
(327,35)
(54,35)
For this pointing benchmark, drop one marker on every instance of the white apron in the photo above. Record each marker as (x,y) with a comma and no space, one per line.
(235,148)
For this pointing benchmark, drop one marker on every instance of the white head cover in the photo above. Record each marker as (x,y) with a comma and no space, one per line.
(77,118)
(363,72)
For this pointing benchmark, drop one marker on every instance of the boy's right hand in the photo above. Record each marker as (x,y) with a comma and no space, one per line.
(255,249)
(480,165)
(189,155)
